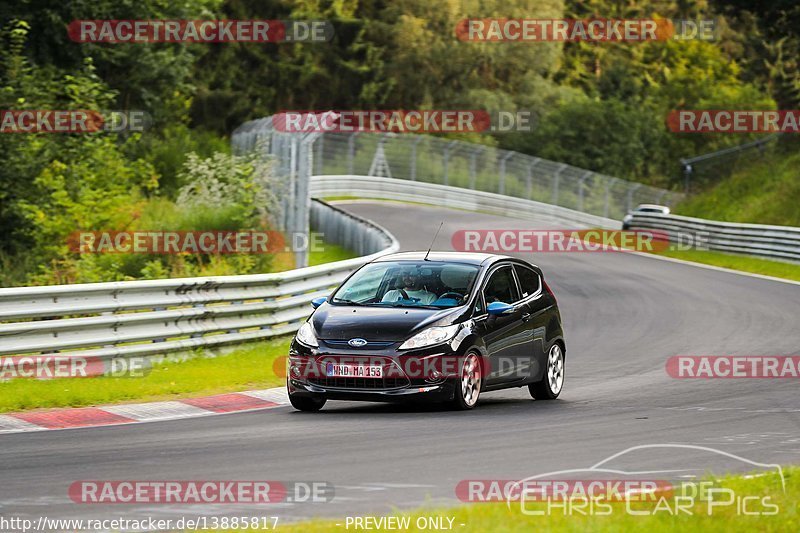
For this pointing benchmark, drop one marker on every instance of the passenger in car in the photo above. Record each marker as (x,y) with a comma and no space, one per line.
(412,288)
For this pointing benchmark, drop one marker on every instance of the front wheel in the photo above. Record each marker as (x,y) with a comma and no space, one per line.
(552,383)
(306,403)
(468,386)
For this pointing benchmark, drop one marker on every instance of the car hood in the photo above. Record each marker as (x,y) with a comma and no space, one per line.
(344,322)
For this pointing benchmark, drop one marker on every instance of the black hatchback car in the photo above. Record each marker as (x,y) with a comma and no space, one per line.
(438,327)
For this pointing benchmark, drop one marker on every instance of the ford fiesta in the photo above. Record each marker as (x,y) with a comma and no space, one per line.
(438,327)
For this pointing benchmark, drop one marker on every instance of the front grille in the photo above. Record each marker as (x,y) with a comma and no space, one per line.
(360,383)
(370,344)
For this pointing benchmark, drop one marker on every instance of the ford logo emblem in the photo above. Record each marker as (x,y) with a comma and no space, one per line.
(357,343)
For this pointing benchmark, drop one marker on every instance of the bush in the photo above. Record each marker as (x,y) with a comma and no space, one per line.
(222,193)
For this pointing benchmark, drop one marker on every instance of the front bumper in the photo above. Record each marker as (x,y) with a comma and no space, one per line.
(441,392)
(407,375)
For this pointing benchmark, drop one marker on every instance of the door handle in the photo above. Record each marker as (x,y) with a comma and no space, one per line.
(526,317)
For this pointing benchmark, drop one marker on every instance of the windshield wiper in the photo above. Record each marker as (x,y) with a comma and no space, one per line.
(416,306)
(348,302)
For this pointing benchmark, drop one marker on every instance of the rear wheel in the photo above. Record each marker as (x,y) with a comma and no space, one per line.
(552,383)
(468,386)
(306,403)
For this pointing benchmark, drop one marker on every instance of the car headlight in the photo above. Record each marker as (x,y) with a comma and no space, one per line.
(305,335)
(430,336)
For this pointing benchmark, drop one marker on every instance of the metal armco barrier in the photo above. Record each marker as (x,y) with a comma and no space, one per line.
(776,242)
(147,318)
(456,197)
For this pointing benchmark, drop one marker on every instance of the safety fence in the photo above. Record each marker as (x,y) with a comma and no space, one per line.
(435,160)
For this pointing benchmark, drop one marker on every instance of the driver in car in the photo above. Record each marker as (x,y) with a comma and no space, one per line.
(411,282)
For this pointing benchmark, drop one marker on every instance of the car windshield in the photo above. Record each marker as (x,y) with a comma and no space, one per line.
(430,284)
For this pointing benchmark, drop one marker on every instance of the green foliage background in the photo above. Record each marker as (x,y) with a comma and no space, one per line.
(599,105)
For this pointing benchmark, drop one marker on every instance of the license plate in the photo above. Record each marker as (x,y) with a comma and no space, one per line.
(333,370)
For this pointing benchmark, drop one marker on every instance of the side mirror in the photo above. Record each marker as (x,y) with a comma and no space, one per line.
(316,302)
(499,308)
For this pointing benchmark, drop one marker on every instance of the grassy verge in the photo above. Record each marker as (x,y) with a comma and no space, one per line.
(249,367)
(763,192)
(744,263)
(497,517)
(329,254)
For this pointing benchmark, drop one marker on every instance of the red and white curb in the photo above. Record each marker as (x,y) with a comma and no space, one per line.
(133,413)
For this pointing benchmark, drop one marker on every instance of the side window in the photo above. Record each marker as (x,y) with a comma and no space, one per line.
(501,287)
(528,280)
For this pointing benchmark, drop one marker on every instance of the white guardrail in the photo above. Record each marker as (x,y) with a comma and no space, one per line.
(454,197)
(776,242)
(151,318)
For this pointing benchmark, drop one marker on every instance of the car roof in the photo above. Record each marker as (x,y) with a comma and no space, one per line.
(472,258)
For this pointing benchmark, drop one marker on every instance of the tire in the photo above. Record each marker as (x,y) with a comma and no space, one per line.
(468,385)
(553,381)
(306,403)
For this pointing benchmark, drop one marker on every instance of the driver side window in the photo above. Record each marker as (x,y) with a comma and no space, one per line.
(501,287)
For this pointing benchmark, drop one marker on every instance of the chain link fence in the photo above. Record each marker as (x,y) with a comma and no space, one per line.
(292,156)
(430,159)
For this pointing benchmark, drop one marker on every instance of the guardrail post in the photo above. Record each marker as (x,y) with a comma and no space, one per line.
(473,166)
(292,182)
(446,160)
(302,203)
(501,186)
(631,190)
(351,152)
(609,182)
(414,143)
(319,155)
(556,179)
(687,176)
(580,188)
(529,178)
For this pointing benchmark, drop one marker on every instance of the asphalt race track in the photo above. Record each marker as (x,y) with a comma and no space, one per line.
(624,315)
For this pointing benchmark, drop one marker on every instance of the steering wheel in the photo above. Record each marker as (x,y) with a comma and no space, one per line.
(404,294)
(455,295)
